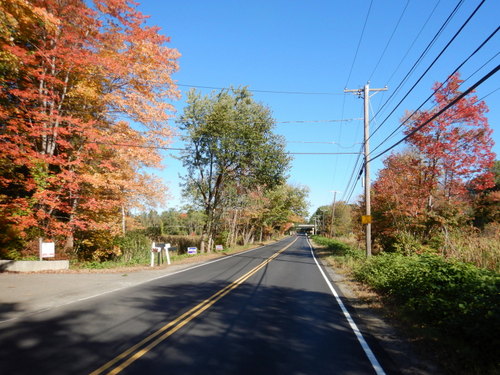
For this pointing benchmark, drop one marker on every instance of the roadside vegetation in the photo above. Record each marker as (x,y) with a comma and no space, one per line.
(85,108)
(449,307)
(436,235)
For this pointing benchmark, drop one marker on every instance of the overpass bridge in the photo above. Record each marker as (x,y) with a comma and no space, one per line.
(305,228)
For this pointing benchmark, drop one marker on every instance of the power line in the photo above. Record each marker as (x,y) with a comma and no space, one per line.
(352,176)
(413,42)
(390,39)
(392,134)
(440,86)
(316,121)
(444,109)
(359,43)
(325,143)
(263,91)
(185,149)
(431,65)
(360,170)
(420,58)
(284,122)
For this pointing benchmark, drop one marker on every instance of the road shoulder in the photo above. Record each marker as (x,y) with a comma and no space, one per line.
(26,294)
(374,322)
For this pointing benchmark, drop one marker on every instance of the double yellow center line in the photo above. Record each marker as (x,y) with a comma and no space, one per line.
(138,350)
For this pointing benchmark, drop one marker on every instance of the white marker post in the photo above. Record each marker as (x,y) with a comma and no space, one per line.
(167,247)
(154,249)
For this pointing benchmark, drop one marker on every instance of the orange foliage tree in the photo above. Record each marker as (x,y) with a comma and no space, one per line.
(428,187)
(75,79)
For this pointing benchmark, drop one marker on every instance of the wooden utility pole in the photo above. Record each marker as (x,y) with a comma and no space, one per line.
(367,218)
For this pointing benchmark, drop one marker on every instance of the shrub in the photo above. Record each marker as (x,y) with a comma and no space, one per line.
(135,247)
(96,245)
(459,299)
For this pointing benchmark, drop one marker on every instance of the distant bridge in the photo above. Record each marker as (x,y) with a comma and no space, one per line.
(308,228)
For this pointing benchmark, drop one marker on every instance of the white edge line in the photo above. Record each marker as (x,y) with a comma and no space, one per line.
(373,360)
(128,286)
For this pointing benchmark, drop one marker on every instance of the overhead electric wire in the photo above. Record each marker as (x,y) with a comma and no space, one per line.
(360,173)
(441,111)
(422,55)
(413,42)
(430,66)
(287,121)
(352,176)
(440,86)
(349,188)
(325,143)
(185,149)
(359,43)
(389,41)
(390,136)
(263,91)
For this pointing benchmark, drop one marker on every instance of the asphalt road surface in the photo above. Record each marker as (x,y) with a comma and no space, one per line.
(265,311)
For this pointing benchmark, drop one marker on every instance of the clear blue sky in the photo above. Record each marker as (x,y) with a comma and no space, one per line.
(299,46)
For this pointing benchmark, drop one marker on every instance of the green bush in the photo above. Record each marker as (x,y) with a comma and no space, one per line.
(459,299)
(135,247)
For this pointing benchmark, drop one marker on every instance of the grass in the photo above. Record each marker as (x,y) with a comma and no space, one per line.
(449,307)
(145,260)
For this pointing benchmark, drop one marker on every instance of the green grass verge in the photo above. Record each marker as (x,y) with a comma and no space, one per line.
(454,305)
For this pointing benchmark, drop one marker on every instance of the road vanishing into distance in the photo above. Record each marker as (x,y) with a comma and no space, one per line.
(270,310)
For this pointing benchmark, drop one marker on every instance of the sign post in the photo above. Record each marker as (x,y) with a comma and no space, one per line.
(47,249)
(192,250)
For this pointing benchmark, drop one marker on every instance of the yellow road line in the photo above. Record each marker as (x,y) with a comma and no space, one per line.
(135,352)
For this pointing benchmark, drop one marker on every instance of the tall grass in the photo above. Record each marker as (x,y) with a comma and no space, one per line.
(481,249)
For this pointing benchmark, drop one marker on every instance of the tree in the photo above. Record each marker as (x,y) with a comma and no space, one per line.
(456,146)
(76,75)
(426,189)
(230,146)
(342,222)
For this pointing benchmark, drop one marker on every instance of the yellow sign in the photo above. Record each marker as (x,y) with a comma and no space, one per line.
(366,219)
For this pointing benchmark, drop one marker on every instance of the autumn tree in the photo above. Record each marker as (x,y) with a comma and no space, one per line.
(77,78)
(262,212)
(456,146)
(426,189)
(229,146)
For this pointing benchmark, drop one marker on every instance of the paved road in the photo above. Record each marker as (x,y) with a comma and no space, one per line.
(266,311)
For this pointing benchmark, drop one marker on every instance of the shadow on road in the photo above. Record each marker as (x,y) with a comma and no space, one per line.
(256,329)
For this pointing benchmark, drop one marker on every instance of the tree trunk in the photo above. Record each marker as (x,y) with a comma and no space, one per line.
(123,220)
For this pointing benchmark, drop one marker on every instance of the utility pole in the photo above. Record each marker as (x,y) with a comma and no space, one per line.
(367,218)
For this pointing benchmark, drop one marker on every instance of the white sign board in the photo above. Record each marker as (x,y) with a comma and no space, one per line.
(47,250)
(192,250)
(219,247)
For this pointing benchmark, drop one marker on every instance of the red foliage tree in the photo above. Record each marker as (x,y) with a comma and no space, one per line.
(76,76)
(456,145)
(427,187)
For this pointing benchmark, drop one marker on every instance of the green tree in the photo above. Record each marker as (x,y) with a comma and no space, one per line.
(229,144)
(342,220)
